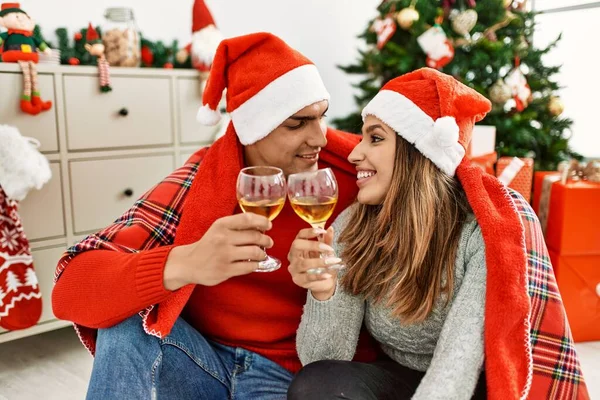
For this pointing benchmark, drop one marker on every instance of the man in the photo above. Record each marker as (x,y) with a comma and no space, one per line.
(209,327)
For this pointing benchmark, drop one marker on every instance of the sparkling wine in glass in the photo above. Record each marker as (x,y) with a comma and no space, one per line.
(262,191)
(313,196)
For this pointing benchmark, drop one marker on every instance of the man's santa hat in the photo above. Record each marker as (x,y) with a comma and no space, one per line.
(436,114)
(259,99)
(205,37)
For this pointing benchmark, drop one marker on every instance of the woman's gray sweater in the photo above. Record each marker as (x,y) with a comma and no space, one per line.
(448,344)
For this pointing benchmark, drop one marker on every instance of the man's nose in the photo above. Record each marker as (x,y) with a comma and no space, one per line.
(318,134)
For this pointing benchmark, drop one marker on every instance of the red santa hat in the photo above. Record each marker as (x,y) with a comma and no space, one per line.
(432,111)
(267,81)
(436,114)
(205,36)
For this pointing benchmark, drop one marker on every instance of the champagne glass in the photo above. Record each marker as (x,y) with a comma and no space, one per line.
(313,196)
(262,190)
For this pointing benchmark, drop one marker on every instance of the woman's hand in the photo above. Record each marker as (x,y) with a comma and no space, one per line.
(304,256)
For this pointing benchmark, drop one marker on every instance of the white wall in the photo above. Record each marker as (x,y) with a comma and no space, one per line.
(324,31)
(578,73)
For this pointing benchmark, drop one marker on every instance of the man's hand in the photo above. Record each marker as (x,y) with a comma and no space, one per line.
(304,255)
(231,247)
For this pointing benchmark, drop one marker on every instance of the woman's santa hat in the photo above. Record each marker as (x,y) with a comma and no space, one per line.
(436,114)
(267,82)
(432,111)
(205,37)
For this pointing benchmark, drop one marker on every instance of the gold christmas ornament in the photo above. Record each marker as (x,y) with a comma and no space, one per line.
(464,22)
(407,17)
(556,106)
(507,3)
(500,92)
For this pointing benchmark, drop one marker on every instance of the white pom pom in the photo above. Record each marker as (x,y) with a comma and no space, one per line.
(208,116)
(446,131)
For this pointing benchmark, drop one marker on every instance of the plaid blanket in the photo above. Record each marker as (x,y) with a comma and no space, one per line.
(556,370)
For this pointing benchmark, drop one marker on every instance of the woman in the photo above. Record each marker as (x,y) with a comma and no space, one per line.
(435,263)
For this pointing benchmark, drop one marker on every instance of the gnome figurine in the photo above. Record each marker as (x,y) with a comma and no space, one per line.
(96,48)
(205,39)
(18,45)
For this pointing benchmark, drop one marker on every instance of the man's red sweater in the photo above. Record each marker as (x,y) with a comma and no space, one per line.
(115,273)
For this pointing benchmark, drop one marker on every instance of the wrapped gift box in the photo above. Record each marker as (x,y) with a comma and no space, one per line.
(570,217)
(483,141)
(486,162)
(538,181)
(516,173)
(578,279)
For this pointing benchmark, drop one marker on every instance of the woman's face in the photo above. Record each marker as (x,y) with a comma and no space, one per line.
(374,159)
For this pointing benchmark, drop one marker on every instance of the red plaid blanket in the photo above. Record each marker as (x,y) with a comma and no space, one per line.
(556,370)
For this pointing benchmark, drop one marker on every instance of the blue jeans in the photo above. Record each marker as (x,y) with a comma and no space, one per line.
(130,364)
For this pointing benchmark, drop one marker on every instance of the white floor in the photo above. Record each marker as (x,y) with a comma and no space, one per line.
(54,366)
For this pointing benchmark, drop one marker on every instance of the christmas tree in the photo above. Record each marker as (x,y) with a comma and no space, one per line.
(485,44)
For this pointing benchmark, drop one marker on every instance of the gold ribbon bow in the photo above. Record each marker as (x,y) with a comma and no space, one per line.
(577,171)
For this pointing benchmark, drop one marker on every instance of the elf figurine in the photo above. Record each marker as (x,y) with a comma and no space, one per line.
(19,45)
(95,47)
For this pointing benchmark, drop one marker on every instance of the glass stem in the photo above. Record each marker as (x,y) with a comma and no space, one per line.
(321,238)
(322,254)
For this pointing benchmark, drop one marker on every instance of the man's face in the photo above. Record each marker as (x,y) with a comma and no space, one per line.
(294,146)
(17,20)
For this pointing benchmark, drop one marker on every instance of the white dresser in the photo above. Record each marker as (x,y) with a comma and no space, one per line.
(105,150)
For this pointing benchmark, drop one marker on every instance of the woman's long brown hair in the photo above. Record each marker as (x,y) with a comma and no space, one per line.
(403,251)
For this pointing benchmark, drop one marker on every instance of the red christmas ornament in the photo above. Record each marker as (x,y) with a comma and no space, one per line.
(168,65)
(73,61)
(147,56)
(77,36)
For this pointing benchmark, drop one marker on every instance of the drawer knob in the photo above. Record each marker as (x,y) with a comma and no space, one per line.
(128,192)
(123,112)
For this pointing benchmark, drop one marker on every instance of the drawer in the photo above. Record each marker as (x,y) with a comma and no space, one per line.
(103,189)
(44,263)
(42,126)
(94,120)
(189,100)
(42,210)
(185,155)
